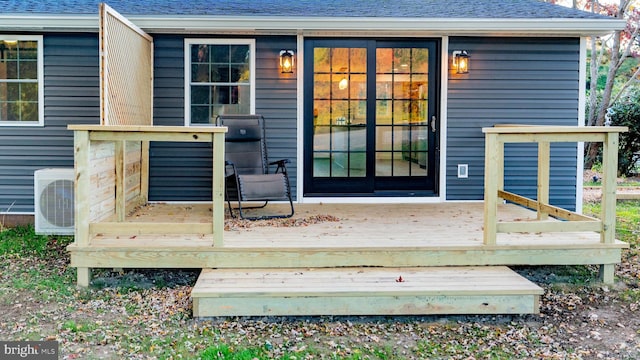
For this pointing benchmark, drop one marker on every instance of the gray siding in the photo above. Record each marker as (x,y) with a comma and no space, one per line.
(71,91)
(513,80)
(183,171)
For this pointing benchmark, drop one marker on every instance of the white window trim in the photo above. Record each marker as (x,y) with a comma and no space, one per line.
(40,60)
(187,71)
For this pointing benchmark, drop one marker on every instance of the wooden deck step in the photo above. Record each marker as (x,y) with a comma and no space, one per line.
(363,291)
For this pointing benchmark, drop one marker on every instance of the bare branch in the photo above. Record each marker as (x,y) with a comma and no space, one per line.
(624,87)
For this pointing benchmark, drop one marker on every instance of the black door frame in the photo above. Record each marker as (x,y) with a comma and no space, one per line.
(371,185)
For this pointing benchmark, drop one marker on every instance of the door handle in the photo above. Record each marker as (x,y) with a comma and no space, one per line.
(433,124)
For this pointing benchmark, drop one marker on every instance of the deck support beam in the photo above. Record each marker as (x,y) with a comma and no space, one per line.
(83,276)
(607,273)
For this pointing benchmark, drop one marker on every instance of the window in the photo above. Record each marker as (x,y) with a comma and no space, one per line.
(219,79)
(21,80)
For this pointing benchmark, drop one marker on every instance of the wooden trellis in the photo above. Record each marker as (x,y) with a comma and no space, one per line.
(126,71)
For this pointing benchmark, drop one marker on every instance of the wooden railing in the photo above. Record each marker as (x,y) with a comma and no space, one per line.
(109,184)
(496,137)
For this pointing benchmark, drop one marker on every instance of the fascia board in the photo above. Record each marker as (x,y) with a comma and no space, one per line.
(260,24)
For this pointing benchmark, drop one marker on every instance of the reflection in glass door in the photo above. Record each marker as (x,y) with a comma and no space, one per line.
(340,112)
(401,121)
(368,111)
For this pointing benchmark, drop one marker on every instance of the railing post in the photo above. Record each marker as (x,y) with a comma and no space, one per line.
(82,217)
(609,183)
(493,162)
(218,188)
(608,202)
(544,159)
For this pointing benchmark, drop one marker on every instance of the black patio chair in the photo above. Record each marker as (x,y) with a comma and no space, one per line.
(247,176)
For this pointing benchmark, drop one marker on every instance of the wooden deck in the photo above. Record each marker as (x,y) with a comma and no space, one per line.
(117,227)
(447,234)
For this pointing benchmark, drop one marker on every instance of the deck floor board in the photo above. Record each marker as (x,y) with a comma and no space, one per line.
(433,290)
(370,226)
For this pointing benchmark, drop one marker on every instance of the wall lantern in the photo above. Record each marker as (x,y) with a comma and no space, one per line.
(461,61)
(287,60)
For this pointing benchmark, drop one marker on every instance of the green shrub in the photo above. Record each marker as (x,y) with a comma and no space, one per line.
(627,113)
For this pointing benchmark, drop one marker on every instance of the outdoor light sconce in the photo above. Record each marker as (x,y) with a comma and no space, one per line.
(287,61)
(461,61)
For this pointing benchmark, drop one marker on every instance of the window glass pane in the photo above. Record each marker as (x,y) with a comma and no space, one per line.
(199,53)
(221,95)
(13,92)
(400,112)
(239,73)
(219,53)
(28,70)
(3,110)
(358,113)
(357,164)
(219,73)
(200,114)
(383,163)
(321,166)
(340,60)
(200,73)
(357,138)
(239,54)
(339,164)
(29,92)
(402,61)
(322,60)
(358,60)
(200,95)
(10,49)
(321,112)
(339,112)
(13,112)
(29,111)
(384,138)
(321,88)
(420,63)
(321,136)
(384,61)
(401,87)
(19,80)
(28,50)
(226,70)
(10,70)
(358,87)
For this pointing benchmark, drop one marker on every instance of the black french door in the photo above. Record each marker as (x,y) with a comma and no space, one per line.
(370,117)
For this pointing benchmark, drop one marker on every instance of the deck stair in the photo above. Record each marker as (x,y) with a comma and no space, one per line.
(363,291)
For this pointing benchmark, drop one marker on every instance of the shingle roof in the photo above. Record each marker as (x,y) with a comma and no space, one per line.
(485,9)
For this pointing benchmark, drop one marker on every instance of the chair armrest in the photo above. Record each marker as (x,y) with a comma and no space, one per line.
(228,164)
(281,165)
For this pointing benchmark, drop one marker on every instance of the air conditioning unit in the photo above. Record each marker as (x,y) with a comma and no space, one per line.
(54,201)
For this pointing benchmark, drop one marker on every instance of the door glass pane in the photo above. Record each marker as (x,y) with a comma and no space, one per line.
(402,127)
(340,112)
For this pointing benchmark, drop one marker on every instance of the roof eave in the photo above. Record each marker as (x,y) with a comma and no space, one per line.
(293,25)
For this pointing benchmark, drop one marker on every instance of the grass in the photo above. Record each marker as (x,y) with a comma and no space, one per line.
(146,314)
(628,219)
(23,240)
